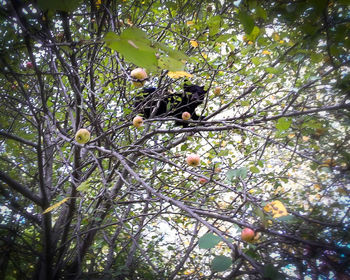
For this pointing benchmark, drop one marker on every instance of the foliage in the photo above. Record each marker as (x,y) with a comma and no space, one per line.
(274,143)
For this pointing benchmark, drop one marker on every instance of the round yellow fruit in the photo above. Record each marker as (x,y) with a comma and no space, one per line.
(82,136)
(137,121)
(186,116)
(139,77)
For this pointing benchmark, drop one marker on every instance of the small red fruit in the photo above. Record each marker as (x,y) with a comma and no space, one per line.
(193,160)
(202,181)
(247,234)
(186,116)
(29,65)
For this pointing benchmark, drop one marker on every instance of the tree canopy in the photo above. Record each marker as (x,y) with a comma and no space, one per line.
(270,151)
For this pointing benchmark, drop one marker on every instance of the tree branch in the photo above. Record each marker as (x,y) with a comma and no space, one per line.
(20,188)
(16,138)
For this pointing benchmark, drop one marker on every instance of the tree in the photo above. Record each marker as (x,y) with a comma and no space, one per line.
(273,143)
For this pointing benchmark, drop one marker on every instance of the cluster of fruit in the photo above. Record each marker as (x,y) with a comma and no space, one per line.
(138,78)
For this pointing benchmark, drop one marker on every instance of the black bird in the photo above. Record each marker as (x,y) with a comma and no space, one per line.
(164,103)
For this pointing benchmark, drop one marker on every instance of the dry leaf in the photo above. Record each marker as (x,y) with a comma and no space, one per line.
(266,52)
(194,43)
(179,74)
(277,208)
(56,205)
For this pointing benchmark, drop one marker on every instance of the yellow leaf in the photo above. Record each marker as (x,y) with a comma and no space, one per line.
(266,52)
(250,43)
(98,3)
(205,56)
(56,205)
(276,208)
(190,22)
(276,37)
(189,271)
(194,43)
(179,74)
(329,162)
(281,42)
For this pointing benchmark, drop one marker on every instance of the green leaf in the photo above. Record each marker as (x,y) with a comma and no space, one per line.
(171,52)
(236,173)
(184,147)
(261,214)
(251,253)
(134,34)
(312,124)
(309,28)
(135,50)
(283,123)
(245,102)
(221,263)
(273,70)
(289,219)
(254,169)
(168,63)
(223,153)
(254,34)
(261,13)
(256,60)
(214,25)
(208,241)
(247,21)
(224,38)
(84,186)
(270,272)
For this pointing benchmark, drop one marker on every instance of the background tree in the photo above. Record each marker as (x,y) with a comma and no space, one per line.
(273,140)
